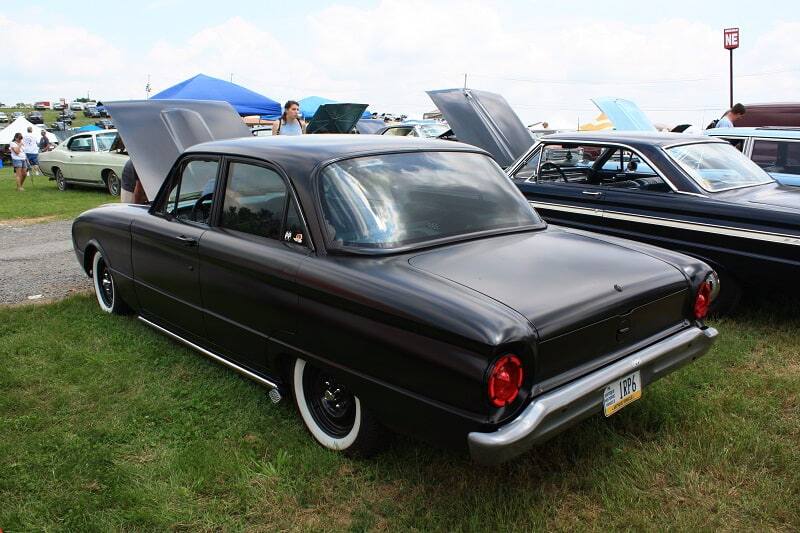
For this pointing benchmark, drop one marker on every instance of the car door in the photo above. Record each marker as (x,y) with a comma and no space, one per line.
(248,262)
(165,246)
(558,181)
(78,148)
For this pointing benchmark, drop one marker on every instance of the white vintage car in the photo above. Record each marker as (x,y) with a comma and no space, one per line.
(86,159)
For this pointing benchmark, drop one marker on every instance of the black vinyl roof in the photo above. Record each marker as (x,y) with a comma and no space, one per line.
(299,154)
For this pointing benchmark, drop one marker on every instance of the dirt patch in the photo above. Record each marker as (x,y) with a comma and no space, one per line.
(17,222)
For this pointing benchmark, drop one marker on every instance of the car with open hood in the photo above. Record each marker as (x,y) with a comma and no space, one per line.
(88,159)
(693,194)
(385,282)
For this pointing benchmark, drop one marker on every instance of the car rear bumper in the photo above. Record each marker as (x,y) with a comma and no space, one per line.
(556,410)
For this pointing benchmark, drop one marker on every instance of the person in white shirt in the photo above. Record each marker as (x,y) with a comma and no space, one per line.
(19,160)
(31,146)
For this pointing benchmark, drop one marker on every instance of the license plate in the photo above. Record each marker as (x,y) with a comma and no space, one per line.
(620,393)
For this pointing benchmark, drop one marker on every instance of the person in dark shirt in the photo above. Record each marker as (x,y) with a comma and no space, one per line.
(132,190)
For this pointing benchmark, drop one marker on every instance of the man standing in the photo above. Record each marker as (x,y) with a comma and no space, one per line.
(31,146)
(731,116)
(44,142)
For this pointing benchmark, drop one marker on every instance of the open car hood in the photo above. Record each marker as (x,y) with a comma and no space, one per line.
(624,114)
(485,120)
(335,118)
(157,132)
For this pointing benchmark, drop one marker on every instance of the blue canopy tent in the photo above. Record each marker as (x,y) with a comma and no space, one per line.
(88,127)
(310,104)
(202,87)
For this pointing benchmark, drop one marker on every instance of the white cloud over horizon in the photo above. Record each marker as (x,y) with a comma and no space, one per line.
(548,72)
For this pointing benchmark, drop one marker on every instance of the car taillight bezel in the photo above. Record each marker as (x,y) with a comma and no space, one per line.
(506,376)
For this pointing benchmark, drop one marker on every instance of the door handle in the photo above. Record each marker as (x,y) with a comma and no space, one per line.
(187,241)
(591,193)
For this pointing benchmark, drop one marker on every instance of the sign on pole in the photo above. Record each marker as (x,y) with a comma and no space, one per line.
(731,42)
(731,38)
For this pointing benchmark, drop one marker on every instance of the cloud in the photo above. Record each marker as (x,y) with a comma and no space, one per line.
(389,53)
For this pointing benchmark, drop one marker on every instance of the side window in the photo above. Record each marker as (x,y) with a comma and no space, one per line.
(528,171)
(630,172)
(294,230)
(81,144)
(569,164)
(765,153)
(192,195)
(255,201)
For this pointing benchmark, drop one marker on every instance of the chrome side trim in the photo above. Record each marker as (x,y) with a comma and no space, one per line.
(554,411)
(756,235)
(212,355)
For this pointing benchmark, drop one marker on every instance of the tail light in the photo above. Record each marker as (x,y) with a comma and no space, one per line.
(505,379)
(702,300)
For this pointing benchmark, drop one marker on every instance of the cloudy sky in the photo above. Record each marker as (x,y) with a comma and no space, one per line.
(547,58)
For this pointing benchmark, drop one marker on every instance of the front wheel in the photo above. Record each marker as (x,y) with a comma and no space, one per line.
(112,183)
(104,288)
(332,414)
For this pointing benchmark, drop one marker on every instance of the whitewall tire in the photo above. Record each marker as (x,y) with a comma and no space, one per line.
(104,288)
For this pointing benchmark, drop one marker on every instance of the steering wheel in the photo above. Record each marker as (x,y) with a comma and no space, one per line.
(556,167)
(198,205)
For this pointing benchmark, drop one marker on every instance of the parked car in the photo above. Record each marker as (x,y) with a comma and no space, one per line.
(91,112)
(693,194)
(42,105)
(76,106)
(86,159)
(16,114)
(785,114)
(58,106)
(428,130)
(3,117)
(105,123)
(35,117)
(101,109)
(387,282)
(775,149)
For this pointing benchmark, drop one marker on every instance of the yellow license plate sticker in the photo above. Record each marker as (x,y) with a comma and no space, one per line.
(621,392)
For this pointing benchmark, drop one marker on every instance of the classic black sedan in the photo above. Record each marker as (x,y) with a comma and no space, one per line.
(696,195)
(385,282)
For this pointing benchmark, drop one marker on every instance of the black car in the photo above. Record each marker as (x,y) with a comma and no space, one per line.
(91,112)
(386,282)
(35,117)
(105,124)
(694,194)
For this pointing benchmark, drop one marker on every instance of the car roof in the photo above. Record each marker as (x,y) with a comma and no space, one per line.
(765,132)
(629,137)
(299,154)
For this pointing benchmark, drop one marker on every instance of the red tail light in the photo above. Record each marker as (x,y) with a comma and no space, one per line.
(702,301)
(505,380)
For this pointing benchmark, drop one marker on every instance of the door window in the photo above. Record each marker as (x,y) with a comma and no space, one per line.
(569,164)
(256,200)
(782,157)
(192,195)
(625,169)
(81,144)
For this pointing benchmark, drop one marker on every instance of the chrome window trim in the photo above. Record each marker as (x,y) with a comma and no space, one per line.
(730,231)
(716,141)
(524,159)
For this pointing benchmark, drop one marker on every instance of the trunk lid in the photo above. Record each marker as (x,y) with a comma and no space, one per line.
(588,299)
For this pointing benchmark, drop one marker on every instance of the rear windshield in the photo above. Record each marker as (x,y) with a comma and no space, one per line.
(718,166)
(393,200)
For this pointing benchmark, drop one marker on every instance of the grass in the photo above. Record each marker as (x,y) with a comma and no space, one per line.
(41,199)
(107,425)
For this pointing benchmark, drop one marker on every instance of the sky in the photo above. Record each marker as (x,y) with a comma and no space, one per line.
(549,59)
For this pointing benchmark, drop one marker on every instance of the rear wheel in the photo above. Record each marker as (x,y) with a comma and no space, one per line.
(104,288)
(332,414)
(61,183)
(112,183)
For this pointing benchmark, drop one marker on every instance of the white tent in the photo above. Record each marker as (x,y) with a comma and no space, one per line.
(20,125)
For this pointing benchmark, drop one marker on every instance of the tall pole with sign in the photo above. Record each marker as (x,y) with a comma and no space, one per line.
(731,37)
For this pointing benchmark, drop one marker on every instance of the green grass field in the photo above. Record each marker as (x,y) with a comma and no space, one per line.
(50,116)
(109,426)
(42,200)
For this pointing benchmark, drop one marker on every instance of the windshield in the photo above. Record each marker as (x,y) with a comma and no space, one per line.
(718,166)
(433,130)
(393,200)
(104,141)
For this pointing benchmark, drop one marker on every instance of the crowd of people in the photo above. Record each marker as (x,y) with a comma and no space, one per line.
(25,154)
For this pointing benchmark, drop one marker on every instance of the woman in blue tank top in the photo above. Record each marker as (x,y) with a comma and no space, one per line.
(289,123)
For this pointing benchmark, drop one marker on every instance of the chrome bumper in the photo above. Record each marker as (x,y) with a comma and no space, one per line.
(552,412)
